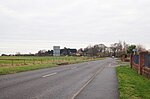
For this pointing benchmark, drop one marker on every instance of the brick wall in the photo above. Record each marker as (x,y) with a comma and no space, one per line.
(139,67)
(146,72)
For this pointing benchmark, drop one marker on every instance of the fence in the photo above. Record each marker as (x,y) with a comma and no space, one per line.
(17,62)
(147,60)
(141,63)
(21,61)
(136,59)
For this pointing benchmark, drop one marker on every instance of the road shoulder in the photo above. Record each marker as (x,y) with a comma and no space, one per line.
(104,86)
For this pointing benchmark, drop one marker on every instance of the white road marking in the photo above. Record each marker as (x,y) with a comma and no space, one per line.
(49,75)
(109,64)
(79,91)
(74,68)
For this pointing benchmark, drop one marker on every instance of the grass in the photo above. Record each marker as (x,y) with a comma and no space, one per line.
(6,61)
(132,85)
(121,63)
(16,69)
(34,62)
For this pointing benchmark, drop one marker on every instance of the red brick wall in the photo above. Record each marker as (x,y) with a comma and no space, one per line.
(135,67)
(140,67)
(146,72)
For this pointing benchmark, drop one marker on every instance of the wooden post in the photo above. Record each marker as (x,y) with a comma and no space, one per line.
(12,62)
(131,60)
(33,61)
(41,61)
(24,61)
(46,60)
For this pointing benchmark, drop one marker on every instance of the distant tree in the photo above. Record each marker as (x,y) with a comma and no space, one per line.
(108,52)
(125,47)
(130,49)
(96,50)
(42,53)
(18,54)
(88,51)
(102,47)
(140,48)
(80,52)
(117,49)
(113,48)
(4,55)
(50,52)
(101,50)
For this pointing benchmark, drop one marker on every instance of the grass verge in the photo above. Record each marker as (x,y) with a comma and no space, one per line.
(132,85)
(16,69)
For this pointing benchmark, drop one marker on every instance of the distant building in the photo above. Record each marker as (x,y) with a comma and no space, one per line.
(68,51)
(56,50)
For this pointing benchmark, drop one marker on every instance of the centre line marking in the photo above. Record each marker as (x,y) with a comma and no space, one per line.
(74,68)
(49,75)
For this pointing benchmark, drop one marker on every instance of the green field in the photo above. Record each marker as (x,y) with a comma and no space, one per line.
(132,85)
(14,64)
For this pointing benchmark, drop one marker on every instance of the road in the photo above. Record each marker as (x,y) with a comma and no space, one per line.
(75,81)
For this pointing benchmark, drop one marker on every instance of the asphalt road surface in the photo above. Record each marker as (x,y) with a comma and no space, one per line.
(89,80)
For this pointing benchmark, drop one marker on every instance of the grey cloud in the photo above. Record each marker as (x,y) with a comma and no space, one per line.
(76,20)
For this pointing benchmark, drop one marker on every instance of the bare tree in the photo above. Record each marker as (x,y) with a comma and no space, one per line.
(42,53)
(80,52)
(101,50)
(140,48)
(125,47)
(18,54)
(117,49)
(96,50)
(113,49)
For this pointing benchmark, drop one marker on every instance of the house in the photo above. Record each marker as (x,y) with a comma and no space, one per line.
(68,51)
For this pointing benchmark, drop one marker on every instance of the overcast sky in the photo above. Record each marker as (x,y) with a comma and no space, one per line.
(30,25)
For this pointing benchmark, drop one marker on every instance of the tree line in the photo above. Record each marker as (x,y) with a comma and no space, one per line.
(98,50)
(117,50)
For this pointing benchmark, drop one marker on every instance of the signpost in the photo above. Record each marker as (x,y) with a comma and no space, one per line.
(56,50)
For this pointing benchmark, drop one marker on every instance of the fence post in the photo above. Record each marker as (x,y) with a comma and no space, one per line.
(141,61)
(33,61)
(41,61)
(12,62)
(24,61)
(131,60)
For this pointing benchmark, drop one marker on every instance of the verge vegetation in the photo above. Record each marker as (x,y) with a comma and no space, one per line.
(132,85)
(14,64)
